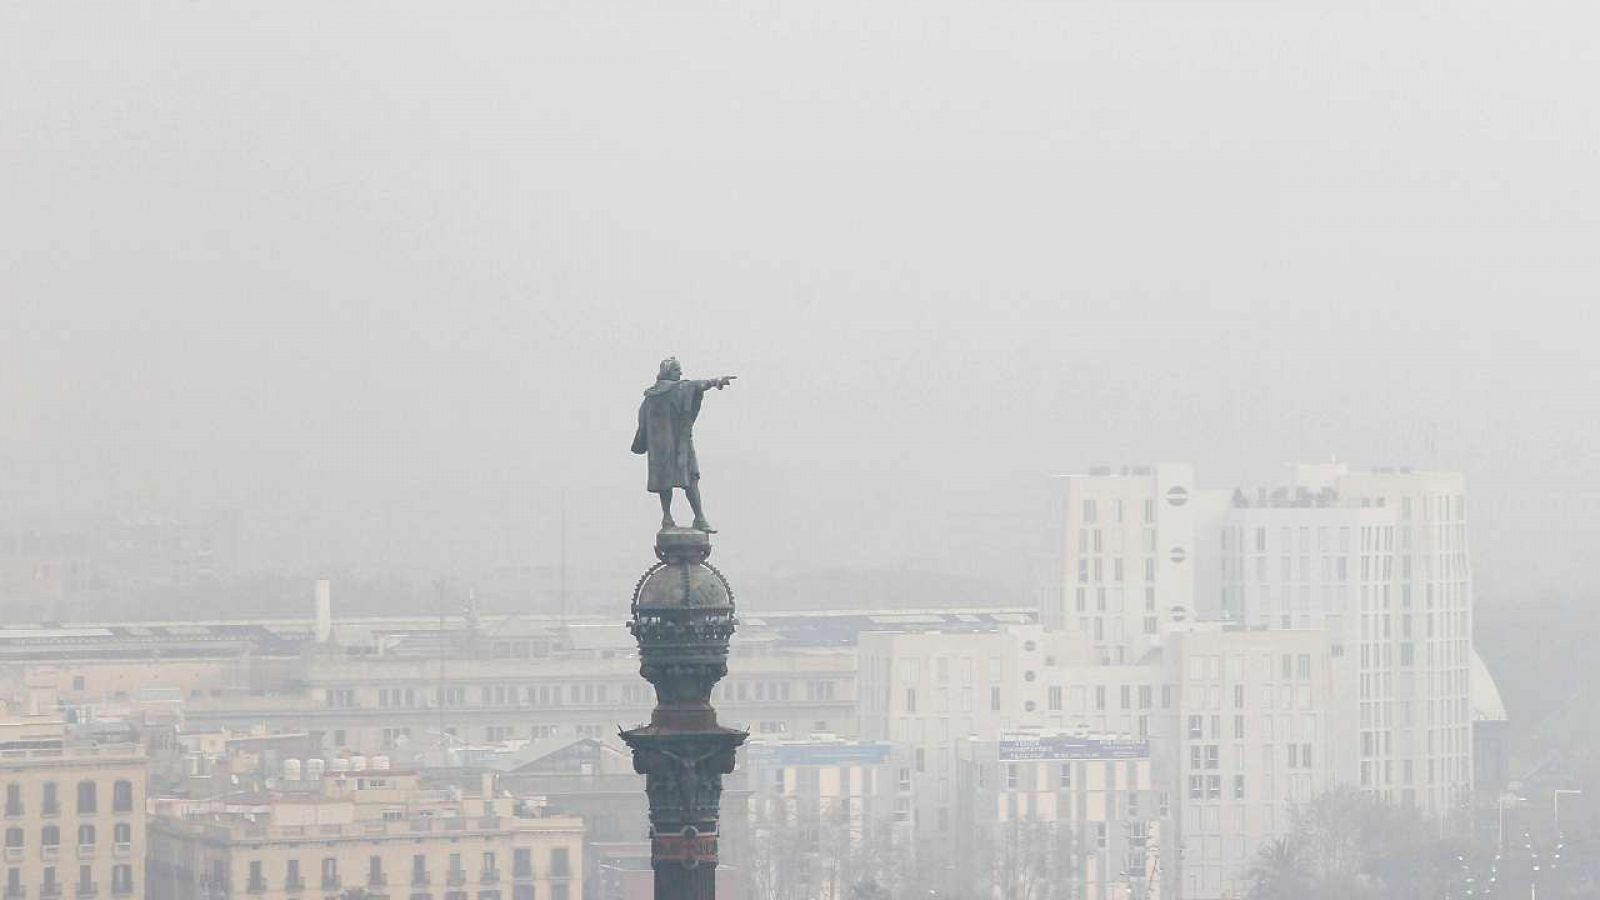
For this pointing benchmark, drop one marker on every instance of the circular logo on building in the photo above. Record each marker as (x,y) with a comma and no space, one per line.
(1178,555)
(1177,495)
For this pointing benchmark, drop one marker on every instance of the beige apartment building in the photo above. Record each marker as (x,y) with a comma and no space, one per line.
(1049,809)
(370,833)
(73,815)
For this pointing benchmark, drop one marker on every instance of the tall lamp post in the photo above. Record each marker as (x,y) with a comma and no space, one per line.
(1556,805)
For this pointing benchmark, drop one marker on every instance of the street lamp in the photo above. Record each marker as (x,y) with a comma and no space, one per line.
(1500,839)
(1556,803)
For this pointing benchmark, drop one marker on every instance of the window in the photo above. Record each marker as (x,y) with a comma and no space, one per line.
(122,797)
(51,836)
(1066,776)
(560,863)
(86,880)
(52,804)
(85,835)
(86,797)
(1053,696)
(122,833)
(13,800)
(911,700)
(375,871)
(257,880)
(291,878)
(1238,787)
(522,862)
(122,879)
(330,872)
(13,837)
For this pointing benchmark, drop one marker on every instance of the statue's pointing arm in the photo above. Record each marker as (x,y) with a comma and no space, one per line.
(718,383)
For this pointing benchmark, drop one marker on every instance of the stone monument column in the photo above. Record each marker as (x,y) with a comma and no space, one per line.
(683,616)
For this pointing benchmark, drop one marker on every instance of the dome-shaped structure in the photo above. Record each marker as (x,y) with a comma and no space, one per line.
(1486,703)
(682,585)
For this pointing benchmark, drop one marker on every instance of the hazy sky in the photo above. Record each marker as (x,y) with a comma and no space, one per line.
(388,278)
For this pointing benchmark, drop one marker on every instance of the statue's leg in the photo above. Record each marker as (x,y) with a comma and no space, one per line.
(693,493)
(666,508)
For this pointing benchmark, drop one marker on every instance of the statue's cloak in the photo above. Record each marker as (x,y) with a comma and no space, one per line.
(666,432)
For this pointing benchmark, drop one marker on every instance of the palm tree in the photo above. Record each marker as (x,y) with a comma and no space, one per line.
(1279,872)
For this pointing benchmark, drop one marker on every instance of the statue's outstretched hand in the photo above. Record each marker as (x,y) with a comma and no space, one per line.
(725,380)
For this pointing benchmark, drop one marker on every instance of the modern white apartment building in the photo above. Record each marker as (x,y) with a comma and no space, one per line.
(1130,555)
(1050,810)
(1260,721)
(1379,560)
(823,812)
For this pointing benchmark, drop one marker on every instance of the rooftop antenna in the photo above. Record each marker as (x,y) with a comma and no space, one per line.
(562,586)
(443,642)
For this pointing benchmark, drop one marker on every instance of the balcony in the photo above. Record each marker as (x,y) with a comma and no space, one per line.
(377,879)
(86,851)
(14,854)
(88,889)
(50,851)
(489,876)
(456,878)
(256,887)
(294,885)
(16,892)
(330,882)
(49,889)
(14,812)
(122,850)
(419,878)
(122,888)
(522,873)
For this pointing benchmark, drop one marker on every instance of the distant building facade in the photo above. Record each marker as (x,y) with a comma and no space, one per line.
(74,812)
(369,833)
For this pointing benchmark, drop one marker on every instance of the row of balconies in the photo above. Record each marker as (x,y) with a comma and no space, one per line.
(85,851)
(55,889)
(380,828)
(52,811)
(453,878)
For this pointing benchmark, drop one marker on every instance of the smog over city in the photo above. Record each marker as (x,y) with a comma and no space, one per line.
(853,451)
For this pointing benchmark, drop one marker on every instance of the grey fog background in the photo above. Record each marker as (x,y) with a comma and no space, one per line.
(384,281)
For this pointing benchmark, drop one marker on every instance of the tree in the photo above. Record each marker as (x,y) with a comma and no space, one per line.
(1279,872)
(1348,845)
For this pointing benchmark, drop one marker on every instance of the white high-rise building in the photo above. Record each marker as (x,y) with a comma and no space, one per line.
(1378,559)
(1130,555)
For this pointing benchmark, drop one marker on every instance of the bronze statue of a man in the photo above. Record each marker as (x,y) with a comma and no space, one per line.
(666,433)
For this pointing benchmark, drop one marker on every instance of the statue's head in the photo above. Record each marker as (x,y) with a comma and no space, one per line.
(670,370)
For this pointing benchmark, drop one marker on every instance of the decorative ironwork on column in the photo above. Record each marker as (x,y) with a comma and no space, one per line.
(682,617)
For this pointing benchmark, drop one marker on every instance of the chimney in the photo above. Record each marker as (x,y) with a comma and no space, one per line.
(324,611)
